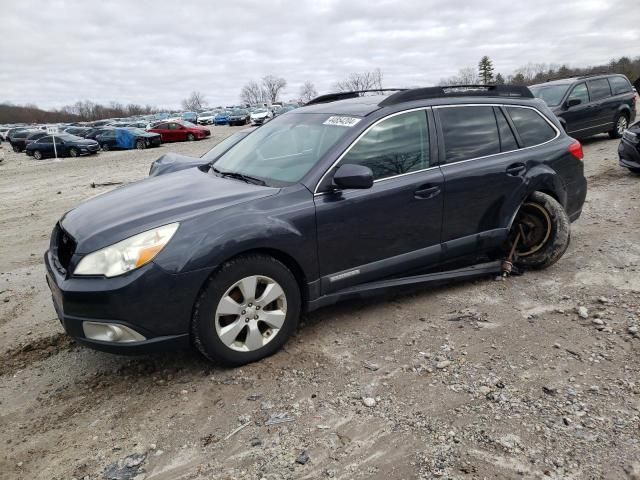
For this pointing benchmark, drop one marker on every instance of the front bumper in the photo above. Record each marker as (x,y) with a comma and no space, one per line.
(149,300)
(629,154)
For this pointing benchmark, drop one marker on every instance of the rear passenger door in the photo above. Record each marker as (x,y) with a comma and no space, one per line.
(484,166)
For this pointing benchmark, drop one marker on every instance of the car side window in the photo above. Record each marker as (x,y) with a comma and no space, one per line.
(469,132)
(532,128)
(45,141)
(507,138)
(173,126)
(619,85)
(396,145)
(599,89)
(580,92)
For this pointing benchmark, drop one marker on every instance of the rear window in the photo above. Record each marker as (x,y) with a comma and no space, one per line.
(619,85)
(599,89)
(469,132)
(532,128)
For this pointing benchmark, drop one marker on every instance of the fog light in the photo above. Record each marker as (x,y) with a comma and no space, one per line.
(110,332)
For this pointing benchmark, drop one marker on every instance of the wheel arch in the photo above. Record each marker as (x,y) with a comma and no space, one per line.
(543,180)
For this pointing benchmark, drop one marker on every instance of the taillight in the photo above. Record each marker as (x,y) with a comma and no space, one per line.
(575,149)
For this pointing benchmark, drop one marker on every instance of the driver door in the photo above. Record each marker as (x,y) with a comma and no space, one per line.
(394,226)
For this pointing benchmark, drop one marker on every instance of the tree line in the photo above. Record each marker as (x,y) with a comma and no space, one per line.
(271,88)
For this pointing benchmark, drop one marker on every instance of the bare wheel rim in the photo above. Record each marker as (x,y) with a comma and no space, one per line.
(251,313)
(622,125)
(536,226)
(37,155)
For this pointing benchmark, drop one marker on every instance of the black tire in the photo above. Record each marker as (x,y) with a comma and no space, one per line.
(16,148)
(635,171)
(37,154)
(549,236)
(73,152)
(190,137)
(619,125)
(105,147)
(203,328)
(141,145)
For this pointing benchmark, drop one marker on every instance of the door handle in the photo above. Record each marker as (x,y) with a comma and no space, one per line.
(516,169)
(426,192)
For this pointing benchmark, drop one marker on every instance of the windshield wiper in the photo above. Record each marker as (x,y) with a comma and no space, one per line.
(239,176)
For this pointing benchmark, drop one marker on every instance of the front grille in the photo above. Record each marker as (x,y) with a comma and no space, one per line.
(64,247)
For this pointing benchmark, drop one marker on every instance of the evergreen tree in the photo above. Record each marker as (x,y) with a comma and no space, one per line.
(485,70)
(499,79)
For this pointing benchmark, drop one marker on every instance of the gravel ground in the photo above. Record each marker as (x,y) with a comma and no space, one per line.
(534,377)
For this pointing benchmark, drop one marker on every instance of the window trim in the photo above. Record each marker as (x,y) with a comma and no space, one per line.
(440,142)
(503,105)
(364,132)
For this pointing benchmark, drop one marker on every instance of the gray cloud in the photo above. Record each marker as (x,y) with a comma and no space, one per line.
(156,52)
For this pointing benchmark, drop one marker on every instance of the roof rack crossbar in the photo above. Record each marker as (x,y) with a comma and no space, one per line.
(457,91)
(334,97)
(580,77)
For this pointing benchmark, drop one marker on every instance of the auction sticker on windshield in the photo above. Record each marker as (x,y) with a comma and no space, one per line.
(341,121)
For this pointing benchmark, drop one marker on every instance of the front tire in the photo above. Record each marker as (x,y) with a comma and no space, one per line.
(190,137)
(37,155)
(141,145)
(620,125)
(105,147)
(635,171)
(545,232)
(73,152)
(247,310)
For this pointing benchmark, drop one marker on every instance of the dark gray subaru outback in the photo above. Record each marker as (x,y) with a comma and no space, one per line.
(346,196)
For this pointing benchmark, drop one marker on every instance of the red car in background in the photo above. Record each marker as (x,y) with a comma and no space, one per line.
(179,131)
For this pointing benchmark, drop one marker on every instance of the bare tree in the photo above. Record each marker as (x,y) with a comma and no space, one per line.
(272,87)
(360,81)
(307,92)
(195,101)
(252,93)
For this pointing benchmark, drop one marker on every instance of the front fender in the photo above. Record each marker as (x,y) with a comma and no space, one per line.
(283,223)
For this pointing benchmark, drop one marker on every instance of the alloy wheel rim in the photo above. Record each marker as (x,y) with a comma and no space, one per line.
(251,313)
(622,125)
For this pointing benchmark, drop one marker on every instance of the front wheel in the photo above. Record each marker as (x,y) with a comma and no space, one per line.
(247,310)
(543,231)
(190,137)
(635,170)
(73,152)
(37,155)
(16,149)
(620,125)
(105,147)
(141,145)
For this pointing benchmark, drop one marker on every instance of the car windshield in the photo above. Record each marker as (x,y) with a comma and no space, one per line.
(224,145)
(551,94)
(239,112)
(260,110)
(282,151)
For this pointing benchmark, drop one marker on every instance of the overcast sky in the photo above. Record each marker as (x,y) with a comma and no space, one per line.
(156,52)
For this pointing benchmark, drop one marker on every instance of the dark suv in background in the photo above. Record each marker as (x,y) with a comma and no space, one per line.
(346,196)
(590,104)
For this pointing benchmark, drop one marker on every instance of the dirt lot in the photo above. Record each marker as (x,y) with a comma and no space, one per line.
(482,379)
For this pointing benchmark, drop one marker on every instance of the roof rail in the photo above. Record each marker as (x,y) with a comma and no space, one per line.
(457,91)
(580,77)
(334,97)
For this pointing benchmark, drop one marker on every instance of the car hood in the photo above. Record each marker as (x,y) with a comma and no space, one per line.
(147,134)
(83,142)
(261,114)
(174,162)
(140,206)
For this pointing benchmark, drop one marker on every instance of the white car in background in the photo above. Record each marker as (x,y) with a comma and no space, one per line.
(206,118)
(260,116)
(3,133)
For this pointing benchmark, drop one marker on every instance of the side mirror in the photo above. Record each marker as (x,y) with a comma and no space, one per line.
(353,176)
(572,102)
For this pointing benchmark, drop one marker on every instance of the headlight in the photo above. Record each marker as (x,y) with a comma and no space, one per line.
(128,254)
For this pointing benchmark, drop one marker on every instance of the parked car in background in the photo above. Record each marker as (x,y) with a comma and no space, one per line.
(95,131)
(190,117)
(222,118)
(13,130)
(3,133)
(206,118)
(18,139)
(239,116)
(260,116)
(127,139)
(629,149)
(67,145)
(34,135)
(344,198)
(77,131)
(179,131)
(591,104)
(174,162)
